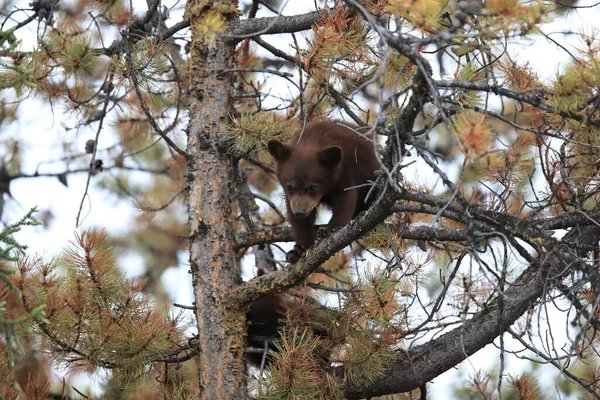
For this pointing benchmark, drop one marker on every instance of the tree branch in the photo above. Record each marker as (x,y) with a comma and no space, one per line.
(423,363)
(531,100)
(272,25)
(284,234)
(317,255)
(239,29)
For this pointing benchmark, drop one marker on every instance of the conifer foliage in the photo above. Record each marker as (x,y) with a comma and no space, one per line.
(484,224)
(12,324)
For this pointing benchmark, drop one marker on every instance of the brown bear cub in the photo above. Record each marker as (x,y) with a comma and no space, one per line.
(266,317)
(264,320)
(318,166)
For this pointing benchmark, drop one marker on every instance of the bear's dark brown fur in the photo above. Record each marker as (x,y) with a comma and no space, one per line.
(264,319)
(267,315)
(317,166)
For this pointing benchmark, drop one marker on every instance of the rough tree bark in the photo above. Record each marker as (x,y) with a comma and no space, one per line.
(221,326)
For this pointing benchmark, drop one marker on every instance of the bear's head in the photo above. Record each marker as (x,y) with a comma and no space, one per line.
(306,174)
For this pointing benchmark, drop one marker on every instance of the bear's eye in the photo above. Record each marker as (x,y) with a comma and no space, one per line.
(290,189)
(312,188)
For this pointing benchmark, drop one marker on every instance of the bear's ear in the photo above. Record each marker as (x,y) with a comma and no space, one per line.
(331,156)
(279,151)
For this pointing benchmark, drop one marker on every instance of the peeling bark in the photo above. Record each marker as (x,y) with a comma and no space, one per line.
(221,325)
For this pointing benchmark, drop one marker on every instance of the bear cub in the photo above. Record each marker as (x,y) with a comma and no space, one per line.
(316,167)
(266,316)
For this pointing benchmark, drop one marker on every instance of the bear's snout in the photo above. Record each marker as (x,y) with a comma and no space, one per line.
(302,206)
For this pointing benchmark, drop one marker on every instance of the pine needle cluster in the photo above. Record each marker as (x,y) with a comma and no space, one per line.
(474,132)
(296,371)
(10,321)
(398,72)
(469,73)
(519,16)
(96,319)
(376,300)
(424,15)
(526,387)
(362,334)
(339,52)
(373,327)
(14,325)
(75,52)
(520,77)
(575,85)
(20,75)
(149,63)
(572,171)
(481,386)
(249,133)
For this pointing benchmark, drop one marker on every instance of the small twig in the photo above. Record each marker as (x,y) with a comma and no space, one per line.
(143,105)
(332,289)
(79,392)
(270,203)
(276,52)
(266,71)
(339,99)
(184,306)
(92,161)
(160,208)
(262,165)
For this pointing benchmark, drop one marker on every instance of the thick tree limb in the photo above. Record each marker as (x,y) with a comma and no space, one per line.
(425,362)
(239,29)
(272,25)
(272,235)
(565,221)
(284,234)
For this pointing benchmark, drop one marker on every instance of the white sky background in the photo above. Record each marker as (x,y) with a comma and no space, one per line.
(42,134)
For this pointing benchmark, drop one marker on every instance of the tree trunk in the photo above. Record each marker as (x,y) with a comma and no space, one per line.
(221,325)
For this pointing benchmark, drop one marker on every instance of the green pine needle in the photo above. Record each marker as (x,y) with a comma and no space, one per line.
(249,133)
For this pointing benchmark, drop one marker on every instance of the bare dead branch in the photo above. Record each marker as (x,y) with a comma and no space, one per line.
(272,25)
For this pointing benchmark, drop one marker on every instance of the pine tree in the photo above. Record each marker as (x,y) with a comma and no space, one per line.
(483,227)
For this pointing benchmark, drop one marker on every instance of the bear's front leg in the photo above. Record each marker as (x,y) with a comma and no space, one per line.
(343,206)
(303,231)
